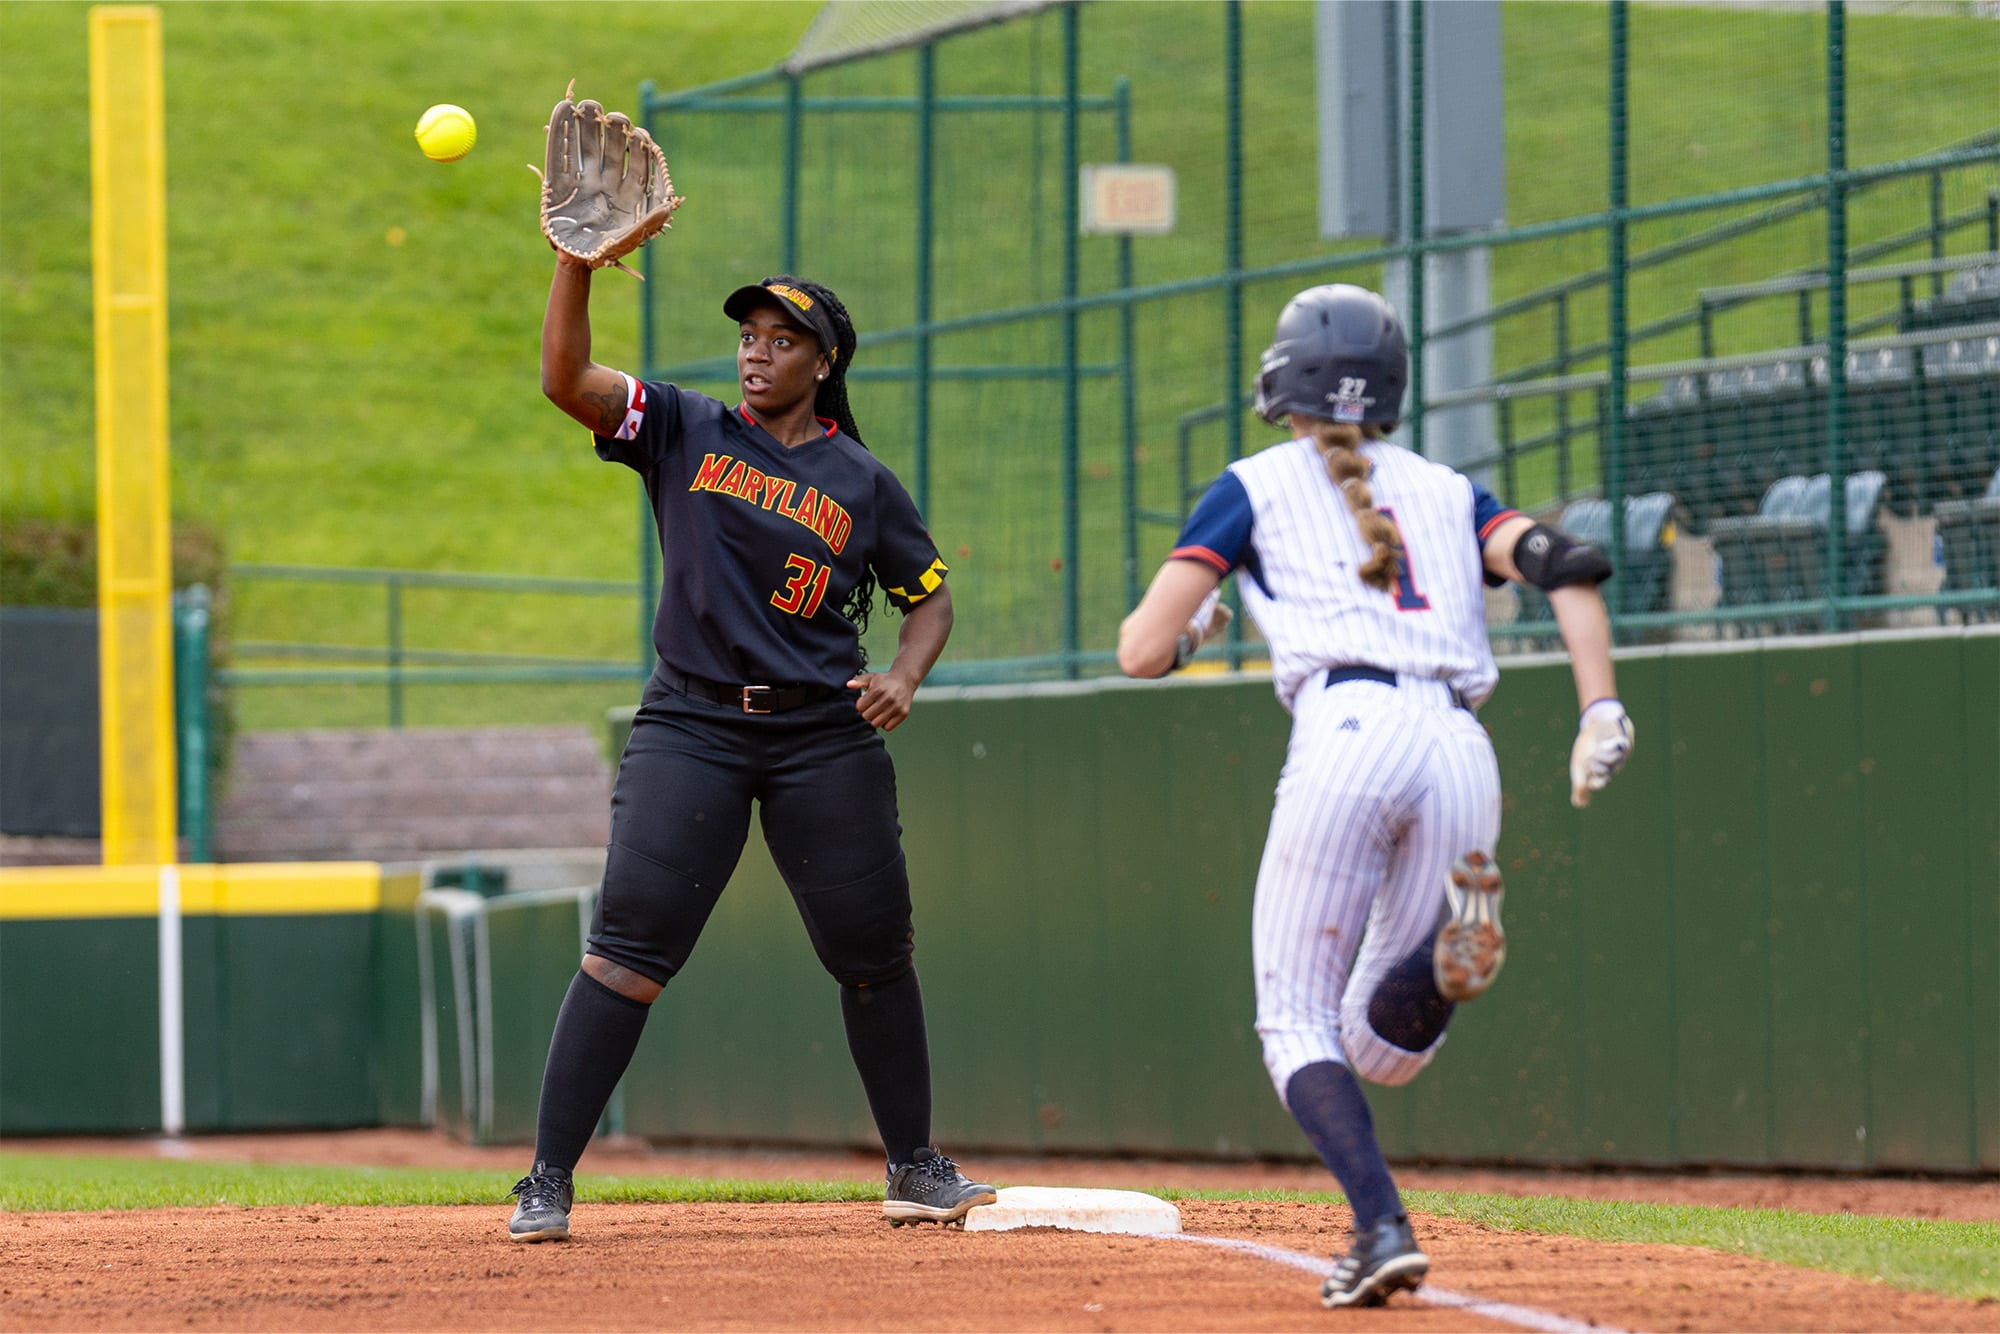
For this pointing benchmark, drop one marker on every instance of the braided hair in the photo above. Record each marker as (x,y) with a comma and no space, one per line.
(1338,444)
(830,401)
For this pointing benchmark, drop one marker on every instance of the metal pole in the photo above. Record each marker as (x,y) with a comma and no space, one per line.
(791,195)
(1937,216)
(1127,391)
(191,688)
(395,586)
(1071,407)
(1612,433)
(648,353)
(1562,400)
(1232,224)
(1413,232)
(1232,259)
(926,92)
(1836,307)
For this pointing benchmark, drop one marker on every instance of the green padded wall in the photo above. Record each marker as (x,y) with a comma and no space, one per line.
(277,1022)
(395,1017)
(108,1032)
(1772,942)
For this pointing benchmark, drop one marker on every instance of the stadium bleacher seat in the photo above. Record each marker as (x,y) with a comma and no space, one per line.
(1769,556)
(1972,297)
(1863,544)
(1887,421)
(1646,568)
(1669,446)
(1962,416)
(1968,534)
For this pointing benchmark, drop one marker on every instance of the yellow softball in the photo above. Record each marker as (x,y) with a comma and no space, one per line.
(446,133)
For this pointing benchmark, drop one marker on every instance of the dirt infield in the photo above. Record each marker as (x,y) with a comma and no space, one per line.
(838,1267)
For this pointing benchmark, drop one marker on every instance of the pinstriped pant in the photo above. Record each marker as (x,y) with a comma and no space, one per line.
(1383,786)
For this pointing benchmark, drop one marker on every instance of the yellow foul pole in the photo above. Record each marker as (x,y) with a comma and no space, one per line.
(128,176)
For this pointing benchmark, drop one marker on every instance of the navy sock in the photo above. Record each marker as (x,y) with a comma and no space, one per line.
(1327,1102)
(597,1031)
(885,1035)
(1407,1010)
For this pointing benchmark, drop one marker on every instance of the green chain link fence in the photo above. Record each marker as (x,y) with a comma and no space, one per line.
(1751,263)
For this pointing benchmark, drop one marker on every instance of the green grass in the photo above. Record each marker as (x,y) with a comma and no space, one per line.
(354,328)
(1930,1255)
(1953,1259)
(37,1182)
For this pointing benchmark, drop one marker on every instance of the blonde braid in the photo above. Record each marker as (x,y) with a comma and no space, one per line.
(1339,445)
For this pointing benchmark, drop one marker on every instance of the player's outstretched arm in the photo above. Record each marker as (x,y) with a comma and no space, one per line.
(593,394)
(1172,620)
(1569,573)
(1586,633)
(886,696)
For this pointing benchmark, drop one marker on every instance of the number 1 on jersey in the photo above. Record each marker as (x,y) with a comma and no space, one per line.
(805,588)
(1407,596)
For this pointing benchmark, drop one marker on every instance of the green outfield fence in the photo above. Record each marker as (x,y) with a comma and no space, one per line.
(1751,263)
(1822,304)
(1767,945)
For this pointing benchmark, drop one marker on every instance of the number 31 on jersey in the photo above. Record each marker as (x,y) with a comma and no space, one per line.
(804,588)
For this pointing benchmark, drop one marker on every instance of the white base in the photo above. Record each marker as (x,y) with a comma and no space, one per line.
(1076,1210)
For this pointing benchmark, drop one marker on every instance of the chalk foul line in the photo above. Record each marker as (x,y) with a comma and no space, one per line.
(1525,1317)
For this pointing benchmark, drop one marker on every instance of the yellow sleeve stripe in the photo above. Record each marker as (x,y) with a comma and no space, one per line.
(928,583)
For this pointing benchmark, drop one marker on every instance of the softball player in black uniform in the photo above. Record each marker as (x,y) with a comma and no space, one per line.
(777,528)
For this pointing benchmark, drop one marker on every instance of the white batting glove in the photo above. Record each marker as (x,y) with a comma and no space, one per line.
(1208,620)
(1603,741)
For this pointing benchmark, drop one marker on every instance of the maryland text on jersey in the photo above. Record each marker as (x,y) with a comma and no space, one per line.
(730,476)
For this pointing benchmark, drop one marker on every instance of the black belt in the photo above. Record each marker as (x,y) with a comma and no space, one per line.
(1335,675)
(750,699)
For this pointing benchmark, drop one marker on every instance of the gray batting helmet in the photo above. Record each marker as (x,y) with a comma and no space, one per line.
(1339,355)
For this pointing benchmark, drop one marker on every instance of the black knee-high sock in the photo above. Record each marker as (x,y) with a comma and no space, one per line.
(596,1033)
(885,1034)
(1326,1100)
(1407,1009)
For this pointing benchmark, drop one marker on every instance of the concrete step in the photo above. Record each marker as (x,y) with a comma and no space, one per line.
(379,794)
(417,752)
(352,799)
(320,840)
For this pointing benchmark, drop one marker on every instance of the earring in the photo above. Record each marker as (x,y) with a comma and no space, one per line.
(820,376)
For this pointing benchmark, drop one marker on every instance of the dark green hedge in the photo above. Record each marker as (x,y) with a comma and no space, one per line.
(53,563)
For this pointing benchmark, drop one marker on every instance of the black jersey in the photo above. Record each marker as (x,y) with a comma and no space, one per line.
(761,544)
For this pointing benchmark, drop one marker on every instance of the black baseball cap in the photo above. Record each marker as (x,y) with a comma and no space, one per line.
(797,304)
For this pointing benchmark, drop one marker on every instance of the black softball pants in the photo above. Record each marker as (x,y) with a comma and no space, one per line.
(680,812)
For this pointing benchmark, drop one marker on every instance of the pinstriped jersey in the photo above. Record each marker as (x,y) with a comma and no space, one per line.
(761,544)
(1280,518)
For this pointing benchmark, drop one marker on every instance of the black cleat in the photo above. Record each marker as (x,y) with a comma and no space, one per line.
(930,1189)
(1383,1260)
(1472,945)
(543,1214)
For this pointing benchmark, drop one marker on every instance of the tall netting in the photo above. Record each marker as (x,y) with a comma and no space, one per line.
(1780,222)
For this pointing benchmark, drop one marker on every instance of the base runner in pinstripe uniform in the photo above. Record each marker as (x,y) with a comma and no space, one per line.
(1378,900)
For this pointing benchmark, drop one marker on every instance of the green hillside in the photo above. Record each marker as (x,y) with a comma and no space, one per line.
(354,329)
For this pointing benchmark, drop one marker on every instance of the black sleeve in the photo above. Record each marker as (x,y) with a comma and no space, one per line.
(653,421)
(905,560)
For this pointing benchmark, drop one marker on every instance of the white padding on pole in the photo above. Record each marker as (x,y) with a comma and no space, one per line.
(1074,1209)
(173,1074)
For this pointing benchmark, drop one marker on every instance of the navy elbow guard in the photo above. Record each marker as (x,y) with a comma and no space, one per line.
(1549,559)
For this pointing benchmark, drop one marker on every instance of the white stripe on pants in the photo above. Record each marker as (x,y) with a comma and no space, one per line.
(1383,787)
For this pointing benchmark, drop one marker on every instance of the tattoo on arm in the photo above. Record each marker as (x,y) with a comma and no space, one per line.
(610,410)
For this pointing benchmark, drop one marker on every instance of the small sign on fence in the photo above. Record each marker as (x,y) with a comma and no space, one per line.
(1127,199)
